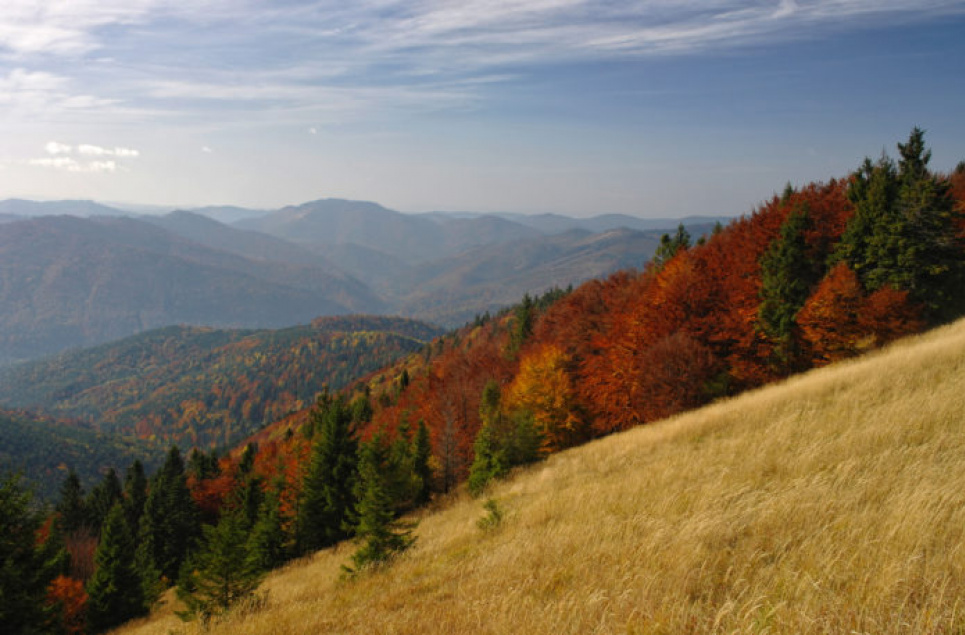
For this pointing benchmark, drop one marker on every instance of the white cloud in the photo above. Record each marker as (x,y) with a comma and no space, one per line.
(313,131)
(58,148)
(98,151)
(206,150)
(72,165)
(59,163)
(101,166)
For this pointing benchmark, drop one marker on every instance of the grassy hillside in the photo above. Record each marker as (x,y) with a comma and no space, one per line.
(832,503)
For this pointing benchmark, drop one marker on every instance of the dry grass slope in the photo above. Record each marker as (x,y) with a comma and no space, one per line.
(834,503)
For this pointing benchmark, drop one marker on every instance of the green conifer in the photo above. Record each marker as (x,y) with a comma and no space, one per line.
(326,508)
(71,508)
(102,498)
(220,573)
(266,543)
(114,592)
(421,466)
(787,276)
(170,522)
(26,569)
(905,231)
(379,535)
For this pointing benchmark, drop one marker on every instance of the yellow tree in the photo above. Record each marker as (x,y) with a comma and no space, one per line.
(543,387)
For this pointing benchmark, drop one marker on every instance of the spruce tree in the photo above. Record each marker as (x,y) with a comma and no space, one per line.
(267,540)
(26,569)
(379,535)
(522,326)
(114,592)
(170,522)
(787,276)
(489,461)
(905,231)
(421,466)
(135,495)
(670,245)
(102,498)
(492,446)
(326,509)
(220,573)
(72,508)
(527,439)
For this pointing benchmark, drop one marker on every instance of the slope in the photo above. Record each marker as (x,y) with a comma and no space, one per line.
(44,449)
(202,386)
(452,290)
(834,502)
(67,282)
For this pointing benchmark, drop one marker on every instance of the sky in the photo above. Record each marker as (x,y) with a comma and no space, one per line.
(655,108)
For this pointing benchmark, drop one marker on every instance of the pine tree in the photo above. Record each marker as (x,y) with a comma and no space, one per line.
(670,245)
(170,522)
(787,276)
(905,231)
(135,495)
(491,446)
(102,498)
(325,512)
(220,573)
(489,460)
(71,507)
(26,570)
(401,479)
(115,593)
(522,328)
(379,535)
(421,467)
(266,543)
(527,439)
(203,466)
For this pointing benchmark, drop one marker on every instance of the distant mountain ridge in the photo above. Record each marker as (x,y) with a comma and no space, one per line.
(77,273)
(68,281)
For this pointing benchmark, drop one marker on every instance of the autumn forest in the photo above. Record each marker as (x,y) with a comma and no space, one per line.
(817,274)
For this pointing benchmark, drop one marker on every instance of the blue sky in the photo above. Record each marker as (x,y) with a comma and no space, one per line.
(652,108)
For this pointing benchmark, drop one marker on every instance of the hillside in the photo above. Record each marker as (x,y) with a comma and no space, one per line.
(203,386)
(44,449)
(452,290)
(831,503)
(68,282)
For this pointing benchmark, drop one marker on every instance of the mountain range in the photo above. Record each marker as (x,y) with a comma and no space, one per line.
(79,273)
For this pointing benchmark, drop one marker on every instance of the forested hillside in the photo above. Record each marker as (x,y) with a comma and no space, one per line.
(203,387)
(820,274)
(45,449)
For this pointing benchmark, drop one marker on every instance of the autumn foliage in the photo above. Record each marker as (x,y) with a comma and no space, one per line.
(565,367)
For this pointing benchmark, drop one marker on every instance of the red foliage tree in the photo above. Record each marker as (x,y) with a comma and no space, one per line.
(70,598)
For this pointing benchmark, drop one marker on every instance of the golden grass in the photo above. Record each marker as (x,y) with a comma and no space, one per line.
(833,503)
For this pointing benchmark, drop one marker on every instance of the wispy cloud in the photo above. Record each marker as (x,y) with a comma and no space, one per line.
(62,157)
(343,58)
(72,165)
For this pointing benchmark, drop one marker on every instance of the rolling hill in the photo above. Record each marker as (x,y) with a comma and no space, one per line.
(206,387)
(44,449)
(68,282)
(833,502)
